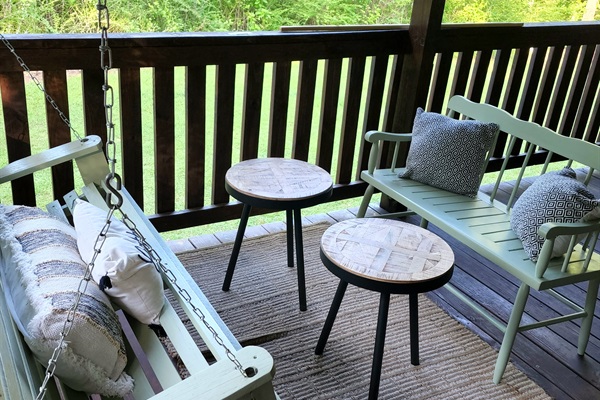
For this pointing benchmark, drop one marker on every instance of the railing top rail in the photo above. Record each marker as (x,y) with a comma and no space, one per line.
(78,51)
(466,37)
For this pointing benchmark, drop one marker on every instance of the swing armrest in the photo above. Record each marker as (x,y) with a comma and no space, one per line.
(222,381)
(77,149)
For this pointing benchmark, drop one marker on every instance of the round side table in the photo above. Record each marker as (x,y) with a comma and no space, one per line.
(278,184)
(385,256)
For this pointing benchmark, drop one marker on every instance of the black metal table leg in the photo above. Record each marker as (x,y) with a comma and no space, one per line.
(236,246)
(384,305)
(290,238)
(300,259)
(413,305)
(333,310)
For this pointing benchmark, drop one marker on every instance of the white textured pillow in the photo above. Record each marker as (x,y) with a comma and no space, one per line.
(137,286)
(447,153)
(41,272)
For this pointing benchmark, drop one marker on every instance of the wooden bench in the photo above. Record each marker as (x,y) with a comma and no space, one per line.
(483,223)
(212,373)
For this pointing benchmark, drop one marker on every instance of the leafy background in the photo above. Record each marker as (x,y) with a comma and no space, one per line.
(69,16)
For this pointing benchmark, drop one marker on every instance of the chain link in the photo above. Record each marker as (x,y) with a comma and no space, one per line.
(37,82)
(109,98)
(159,264)
(106,65)
(71,313)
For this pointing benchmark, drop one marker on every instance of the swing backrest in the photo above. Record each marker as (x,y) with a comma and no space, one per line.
(212,374)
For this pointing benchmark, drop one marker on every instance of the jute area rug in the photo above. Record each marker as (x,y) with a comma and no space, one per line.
(262,309)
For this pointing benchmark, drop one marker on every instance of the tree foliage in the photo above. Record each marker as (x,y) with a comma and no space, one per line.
(61,16)
(515,10)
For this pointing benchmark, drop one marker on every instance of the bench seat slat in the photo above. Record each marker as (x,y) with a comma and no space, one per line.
(486,220)
(491,227)
(187,349)
(501,236)
(156,354)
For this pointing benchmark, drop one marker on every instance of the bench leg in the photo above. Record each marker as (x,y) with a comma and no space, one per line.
(511,332)
(364,204)
(586,323)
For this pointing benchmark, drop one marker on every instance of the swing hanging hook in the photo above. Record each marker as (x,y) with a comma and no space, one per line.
(114,190)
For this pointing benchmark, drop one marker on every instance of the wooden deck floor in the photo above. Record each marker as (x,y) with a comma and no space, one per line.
(547,355)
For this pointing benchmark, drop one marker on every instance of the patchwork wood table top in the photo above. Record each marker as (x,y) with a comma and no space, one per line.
(387,250)
(278,179)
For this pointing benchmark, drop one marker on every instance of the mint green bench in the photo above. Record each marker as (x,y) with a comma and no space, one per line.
(212,373)
(483,223)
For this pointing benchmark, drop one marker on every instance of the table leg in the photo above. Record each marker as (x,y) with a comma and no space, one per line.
(290,237)
(384,305)
(413,305)
(333,310)
(300,259)
(236,246)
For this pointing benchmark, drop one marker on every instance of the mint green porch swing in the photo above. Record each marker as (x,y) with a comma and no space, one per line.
(237,373)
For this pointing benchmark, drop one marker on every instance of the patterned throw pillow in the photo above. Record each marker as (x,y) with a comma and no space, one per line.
(41,271)
(554,197)
(447,153)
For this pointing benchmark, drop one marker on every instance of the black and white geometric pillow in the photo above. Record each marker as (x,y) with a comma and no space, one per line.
(554,197)
(447,153)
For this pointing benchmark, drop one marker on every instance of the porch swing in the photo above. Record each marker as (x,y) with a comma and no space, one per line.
(221,369)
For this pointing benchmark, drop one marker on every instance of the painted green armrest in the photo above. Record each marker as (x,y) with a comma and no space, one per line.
(551,230)
(376,137)
(373,136)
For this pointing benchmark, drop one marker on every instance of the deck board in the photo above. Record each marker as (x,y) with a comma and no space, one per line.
(547,355)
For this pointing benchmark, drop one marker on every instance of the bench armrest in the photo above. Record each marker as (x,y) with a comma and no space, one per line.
(51,157)
(376,138)
(577,232)
(551,230)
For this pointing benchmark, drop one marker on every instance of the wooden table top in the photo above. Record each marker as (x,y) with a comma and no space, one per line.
(387,250)
(278,179)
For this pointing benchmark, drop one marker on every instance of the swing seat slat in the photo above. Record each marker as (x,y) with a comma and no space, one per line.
(212,376)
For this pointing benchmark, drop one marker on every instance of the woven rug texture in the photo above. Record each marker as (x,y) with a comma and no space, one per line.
(261,309)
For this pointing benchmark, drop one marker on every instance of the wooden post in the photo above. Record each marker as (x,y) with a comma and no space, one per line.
(425,25)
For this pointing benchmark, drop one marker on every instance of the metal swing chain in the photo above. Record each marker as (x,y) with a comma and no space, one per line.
(109,99)
(37,82)
(159,264)
(106,64)
(83,284)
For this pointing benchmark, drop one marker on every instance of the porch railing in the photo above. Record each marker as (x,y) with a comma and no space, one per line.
(206,101)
